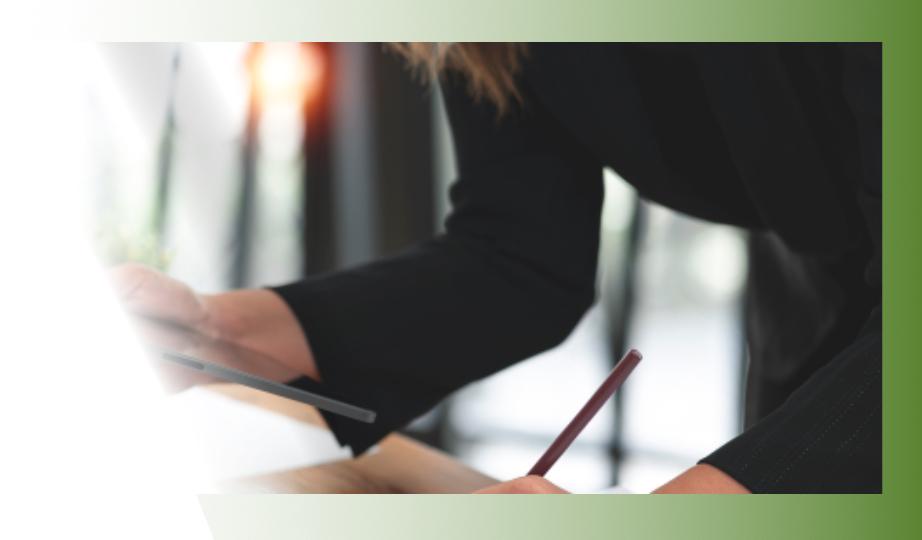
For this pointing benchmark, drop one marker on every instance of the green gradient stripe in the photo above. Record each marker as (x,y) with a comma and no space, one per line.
(577,517)
(524,20)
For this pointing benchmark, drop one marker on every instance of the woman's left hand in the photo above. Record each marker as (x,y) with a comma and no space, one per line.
(525,484)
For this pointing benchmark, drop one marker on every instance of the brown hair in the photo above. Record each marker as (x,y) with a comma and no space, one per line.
(490,68)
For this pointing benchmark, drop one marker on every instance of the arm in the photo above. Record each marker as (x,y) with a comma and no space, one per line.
(826,437)
(511,276)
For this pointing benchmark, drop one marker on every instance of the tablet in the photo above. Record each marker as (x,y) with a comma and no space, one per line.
(227,361)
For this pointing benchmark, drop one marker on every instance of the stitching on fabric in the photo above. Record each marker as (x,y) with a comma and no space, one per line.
(766,439)
(828,428)
(857,431)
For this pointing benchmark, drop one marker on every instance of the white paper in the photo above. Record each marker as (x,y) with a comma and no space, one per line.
(613,490)
(232,439)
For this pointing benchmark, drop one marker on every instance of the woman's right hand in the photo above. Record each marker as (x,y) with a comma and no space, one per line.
(255,319)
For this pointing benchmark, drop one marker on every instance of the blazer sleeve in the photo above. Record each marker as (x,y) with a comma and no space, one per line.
(511,276)
(826,437)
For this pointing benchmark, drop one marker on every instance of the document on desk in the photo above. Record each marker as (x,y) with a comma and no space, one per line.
(233,439)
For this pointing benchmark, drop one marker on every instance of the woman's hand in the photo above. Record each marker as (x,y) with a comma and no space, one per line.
(525,484)
(257,320)
(701,478)
(149,293)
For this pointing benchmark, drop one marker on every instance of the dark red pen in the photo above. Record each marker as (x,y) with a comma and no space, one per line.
(609,386)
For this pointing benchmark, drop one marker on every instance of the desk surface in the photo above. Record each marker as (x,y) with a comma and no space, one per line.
(400,465)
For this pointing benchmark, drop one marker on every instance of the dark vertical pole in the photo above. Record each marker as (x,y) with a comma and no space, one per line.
(744,310)
(354,163)
(619,307)
(249,154)
(320,252)
(165,158)
(404,154)
(400,155)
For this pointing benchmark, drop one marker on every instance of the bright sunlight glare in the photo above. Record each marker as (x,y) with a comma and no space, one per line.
(286,72)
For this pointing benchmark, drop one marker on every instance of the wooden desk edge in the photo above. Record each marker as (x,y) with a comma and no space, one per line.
(397,465)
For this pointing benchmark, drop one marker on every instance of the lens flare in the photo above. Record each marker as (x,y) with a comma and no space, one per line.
(285,72)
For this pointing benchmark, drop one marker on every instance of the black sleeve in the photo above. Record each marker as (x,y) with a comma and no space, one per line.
(826,437)
(511,276)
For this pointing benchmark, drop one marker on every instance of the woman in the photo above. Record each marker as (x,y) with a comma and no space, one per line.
(782,140)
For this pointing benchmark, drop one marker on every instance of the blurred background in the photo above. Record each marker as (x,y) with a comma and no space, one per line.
(247,164)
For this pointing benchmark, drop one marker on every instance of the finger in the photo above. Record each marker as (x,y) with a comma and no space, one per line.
(524,485)
(127,278)
(148,292)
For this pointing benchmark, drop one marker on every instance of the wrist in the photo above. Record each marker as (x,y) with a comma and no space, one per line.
(258,319)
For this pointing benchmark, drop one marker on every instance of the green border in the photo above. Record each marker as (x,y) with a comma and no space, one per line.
(896,24)
(577,517)
(428,20)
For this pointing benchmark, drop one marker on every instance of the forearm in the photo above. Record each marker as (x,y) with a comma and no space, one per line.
(259,320)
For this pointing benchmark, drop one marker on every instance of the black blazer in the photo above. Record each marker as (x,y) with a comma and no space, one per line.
(783,140)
